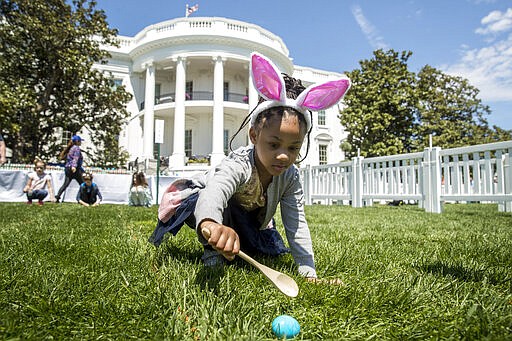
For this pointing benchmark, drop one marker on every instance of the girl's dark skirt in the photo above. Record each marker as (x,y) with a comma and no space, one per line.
(253,241)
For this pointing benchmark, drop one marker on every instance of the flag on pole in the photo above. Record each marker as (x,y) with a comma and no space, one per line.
(190,10)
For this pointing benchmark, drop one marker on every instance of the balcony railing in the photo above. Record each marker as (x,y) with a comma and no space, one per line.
(198,96)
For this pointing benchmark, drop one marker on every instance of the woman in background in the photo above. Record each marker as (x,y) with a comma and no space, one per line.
(74,160)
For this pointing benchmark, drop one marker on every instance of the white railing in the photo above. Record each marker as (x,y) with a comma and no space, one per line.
(430,178)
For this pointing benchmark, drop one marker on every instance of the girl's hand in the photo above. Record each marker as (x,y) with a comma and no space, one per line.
(332,281)
(223,238)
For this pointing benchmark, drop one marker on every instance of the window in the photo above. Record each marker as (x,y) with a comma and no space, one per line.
(189,87)
(322,154)
(117,82)
(188,142)
(158,88)
(226,91)
(226,142)
(65,137)
(321,118)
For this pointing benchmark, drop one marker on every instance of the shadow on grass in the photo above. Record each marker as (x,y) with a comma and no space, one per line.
(460,272)
(209,277)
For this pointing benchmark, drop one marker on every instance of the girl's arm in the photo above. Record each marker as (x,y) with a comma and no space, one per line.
(223,238)
(50,189)
(79,196)
(219,188)
(149,197)
(83,203)
(296,227)
(99,198)
(130,198)
(28,185)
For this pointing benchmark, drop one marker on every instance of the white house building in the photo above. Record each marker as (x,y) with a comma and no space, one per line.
(192,73)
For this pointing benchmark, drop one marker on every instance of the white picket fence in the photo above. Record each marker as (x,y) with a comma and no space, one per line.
(480,173)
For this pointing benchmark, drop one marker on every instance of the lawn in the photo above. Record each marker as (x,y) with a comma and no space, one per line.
(89,273)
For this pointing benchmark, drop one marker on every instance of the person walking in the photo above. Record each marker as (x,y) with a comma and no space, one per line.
(3,149)
(73,168)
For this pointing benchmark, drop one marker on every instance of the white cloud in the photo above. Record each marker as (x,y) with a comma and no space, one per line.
(370,32)
(483,1)
(489,68)
(496,22)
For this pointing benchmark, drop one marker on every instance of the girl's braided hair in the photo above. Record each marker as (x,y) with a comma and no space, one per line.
(293,89)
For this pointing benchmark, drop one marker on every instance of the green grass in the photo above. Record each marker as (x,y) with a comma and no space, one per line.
(89,273)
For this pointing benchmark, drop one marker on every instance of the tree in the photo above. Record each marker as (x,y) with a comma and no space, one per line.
(380,105)
(392,110)
(47,80)
(450,111)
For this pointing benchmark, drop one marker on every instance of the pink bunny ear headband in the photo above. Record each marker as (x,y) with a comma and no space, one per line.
(269,83)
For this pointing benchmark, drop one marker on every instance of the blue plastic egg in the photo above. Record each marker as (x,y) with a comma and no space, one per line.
(285,326)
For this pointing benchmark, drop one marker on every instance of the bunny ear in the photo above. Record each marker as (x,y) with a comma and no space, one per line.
(324,95)
(266,78)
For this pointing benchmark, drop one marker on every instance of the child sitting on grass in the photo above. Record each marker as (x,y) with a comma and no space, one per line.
(88,194)
(140,193)
(36,183)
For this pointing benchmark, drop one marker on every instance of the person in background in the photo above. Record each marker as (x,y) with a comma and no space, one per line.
(74,160)
(140,193)
(36,183)
(88,194)
(3,151)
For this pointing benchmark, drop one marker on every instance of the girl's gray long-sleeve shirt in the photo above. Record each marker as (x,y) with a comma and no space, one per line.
(222,183)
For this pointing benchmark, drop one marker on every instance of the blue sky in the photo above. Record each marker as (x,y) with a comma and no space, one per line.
(468,38)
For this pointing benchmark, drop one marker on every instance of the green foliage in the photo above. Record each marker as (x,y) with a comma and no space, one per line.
(392,110)
(89,273)
(46,75)
(380,105)
(450,110)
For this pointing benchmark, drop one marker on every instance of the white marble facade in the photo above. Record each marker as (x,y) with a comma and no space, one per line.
(192,73)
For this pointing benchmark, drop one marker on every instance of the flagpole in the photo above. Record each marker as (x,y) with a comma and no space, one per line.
(186,11)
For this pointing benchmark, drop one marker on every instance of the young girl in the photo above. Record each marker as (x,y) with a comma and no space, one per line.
(140,193)
(234,204)
(73,168)
(36,183)
(88,194)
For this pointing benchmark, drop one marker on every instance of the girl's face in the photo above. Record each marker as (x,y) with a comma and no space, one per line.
(277,144)
(39,168)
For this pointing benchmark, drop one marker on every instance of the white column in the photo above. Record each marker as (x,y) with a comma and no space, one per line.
(253,94)
(177,158)
(218,112)
(149,113)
